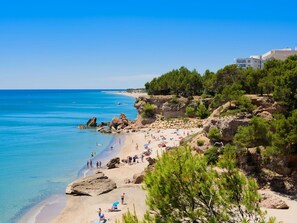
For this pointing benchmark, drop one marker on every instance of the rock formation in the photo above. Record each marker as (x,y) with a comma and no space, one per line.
(92,122)
(272,201)
(113,163)
(228,125)
(91,186)
(138,177)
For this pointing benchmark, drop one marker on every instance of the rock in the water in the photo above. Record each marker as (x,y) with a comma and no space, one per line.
(92,122)
(113,163)
(272,201)
(118,123)
(82,127)
(91,186)
(138,178)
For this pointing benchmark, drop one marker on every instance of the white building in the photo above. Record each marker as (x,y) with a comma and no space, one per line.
(258,61)
(253,61)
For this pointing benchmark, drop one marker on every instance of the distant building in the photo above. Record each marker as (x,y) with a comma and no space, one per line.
(281,54)
(258,61)
(253,61)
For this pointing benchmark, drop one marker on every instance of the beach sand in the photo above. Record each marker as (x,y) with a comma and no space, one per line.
(84,208)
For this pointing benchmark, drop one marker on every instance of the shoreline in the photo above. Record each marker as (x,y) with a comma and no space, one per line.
(49,208)
(84,208)
(128,94)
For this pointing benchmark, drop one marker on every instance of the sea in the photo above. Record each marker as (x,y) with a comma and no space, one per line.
(41,148)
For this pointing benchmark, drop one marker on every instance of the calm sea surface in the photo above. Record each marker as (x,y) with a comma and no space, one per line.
(41,148)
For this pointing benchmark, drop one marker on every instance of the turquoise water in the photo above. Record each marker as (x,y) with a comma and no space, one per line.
(41,148)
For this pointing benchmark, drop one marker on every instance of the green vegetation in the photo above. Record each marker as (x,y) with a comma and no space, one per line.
(184,188)
(200,142)
(148,111)
(214,134)
(181,82)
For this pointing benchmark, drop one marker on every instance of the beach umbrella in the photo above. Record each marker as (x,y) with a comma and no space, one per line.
(146,144)
(115,203)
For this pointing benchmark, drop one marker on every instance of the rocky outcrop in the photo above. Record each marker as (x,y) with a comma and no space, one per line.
(91,186)
(166,105)
(138,178)
(113,163)
(228,125)
(272,201)
(92,122)
(151,161)
(118,123)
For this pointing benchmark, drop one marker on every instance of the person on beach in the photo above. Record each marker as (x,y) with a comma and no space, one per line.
(142,157)
(123,198)
(100,164)
(91,164)
(101,216)
(88,164)
(97,164)
(111,148)
(136,146)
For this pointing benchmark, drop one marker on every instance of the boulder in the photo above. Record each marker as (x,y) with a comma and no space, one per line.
(228,125)
(118,123)
(151,161)
(91,186)
(113,163)
(82,127)
(272,201)
(138,177)
(92,122)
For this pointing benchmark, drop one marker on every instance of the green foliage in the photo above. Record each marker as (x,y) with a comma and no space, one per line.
(200,142)
(202,112)
(214,134)
(148,111)
(285,136)
(255,134)
(183,188)
(179,82)
(190,111)
(174,100)
(212,155)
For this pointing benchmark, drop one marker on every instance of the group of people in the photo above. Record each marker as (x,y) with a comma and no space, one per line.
(133,159)
(114,207)
(90,164)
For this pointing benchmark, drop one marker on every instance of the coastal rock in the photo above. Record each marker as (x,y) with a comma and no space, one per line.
(138,177)
(272,201)
(113,163)
(91,186)
(228,125)
(82,127)
(118,123)
(151,161)
(92,122)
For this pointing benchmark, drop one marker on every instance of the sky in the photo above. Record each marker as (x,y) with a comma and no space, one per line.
(95,44)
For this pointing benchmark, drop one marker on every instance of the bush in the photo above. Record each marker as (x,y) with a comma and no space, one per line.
(190,111)
(202,111)
(174,100)
(212,155)
(200,142)
(214,134)
(148,111)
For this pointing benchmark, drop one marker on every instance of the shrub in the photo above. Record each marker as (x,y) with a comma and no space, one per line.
(190,111)
(202,111)
(148,111)
(214,134)
(200,142)
(212,155)
(174,100)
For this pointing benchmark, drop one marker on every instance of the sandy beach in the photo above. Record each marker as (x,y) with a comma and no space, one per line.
(84,208)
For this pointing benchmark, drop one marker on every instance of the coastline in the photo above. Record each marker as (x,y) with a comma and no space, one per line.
(48,209)
(128,94)
(84,208)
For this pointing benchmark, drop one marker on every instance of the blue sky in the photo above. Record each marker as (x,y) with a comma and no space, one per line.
(120,44)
